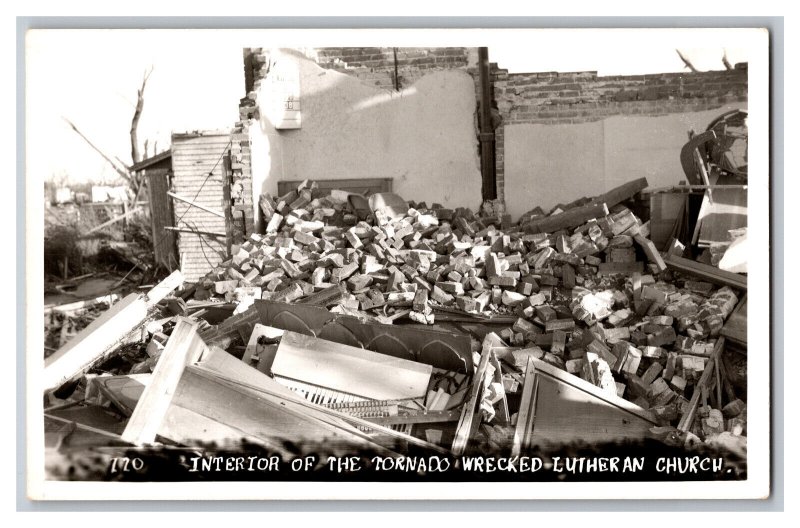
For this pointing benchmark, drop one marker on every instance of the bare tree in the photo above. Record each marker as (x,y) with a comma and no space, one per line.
(137,113)
(686,61)
(117,164)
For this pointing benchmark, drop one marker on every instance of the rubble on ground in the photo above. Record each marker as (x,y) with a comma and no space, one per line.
(586,293)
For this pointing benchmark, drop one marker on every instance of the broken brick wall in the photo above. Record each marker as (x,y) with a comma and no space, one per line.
(355,125)
(565,135)
(395,68)
(556,117)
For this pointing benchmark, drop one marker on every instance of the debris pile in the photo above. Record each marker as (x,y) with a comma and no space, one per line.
(579,293)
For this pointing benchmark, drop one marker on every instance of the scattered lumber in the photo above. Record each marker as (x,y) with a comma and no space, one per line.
(710,273)
(96,340)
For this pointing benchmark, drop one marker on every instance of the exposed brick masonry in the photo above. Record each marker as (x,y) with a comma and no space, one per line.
(543,98)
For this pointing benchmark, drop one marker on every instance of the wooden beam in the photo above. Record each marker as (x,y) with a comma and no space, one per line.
(710,273)
(93,342)
(526,411)
(570,218)
(195,204)
(114,220)
(688,417)
(164,288)
(184,346)
(466,425)
(621,193)
(696,188)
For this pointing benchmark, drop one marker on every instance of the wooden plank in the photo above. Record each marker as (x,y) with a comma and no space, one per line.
(710,273)
(621,193)
(162,216)
(184,346)
(525,414)
(195,204)
(650,250)
(570,218)
(687,419)
(735,328)
(173,281)
(110,222)
(466,424)
(92,343)
(349,369)
(80,305)
(628,268)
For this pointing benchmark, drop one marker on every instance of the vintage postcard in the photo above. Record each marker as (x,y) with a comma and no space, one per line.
(421,264)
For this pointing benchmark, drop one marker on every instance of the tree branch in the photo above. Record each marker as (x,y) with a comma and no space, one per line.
(686,61)
(725,60)
(122,172)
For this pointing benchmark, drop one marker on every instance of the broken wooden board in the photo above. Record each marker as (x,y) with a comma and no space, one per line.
(349,369)
(522,432)
(445,350)
(702,385)
(97,340)
(710,273)
(735,329)
(565,409)
(570,218)
(184,346)
(470,416)
(621,193)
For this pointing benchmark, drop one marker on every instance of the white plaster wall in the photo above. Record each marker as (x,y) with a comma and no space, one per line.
(550,164)
(423,137)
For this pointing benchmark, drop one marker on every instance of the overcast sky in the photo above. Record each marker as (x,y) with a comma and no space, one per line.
(91,77)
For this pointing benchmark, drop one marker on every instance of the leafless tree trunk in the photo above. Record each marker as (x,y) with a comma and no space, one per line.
(135,154)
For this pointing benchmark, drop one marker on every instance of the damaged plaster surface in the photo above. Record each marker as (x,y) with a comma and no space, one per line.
(423,137)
